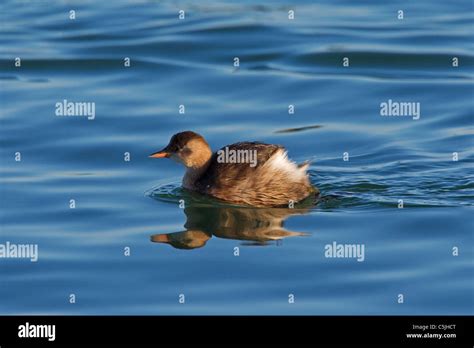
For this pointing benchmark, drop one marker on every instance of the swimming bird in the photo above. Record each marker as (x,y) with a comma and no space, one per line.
(244,173)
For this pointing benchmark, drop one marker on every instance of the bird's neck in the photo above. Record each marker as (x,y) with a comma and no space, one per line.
(194,172)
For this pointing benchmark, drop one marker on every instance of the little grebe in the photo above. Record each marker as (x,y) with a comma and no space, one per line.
(245,173)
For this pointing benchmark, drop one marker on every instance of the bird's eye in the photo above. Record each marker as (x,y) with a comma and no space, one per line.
(186,151)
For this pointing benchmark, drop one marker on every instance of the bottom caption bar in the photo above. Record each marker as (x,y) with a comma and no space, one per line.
(291,330)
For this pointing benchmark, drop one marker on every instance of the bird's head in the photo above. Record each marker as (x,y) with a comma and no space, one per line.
(188,148)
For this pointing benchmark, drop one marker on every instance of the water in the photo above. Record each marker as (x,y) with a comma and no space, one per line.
(135,204)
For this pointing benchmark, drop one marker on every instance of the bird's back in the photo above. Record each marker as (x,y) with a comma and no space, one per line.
(267,178)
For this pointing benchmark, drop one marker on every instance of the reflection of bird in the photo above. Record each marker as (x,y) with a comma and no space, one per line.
(255,225)
(248,173)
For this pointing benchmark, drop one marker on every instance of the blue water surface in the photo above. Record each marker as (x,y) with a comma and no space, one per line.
(366,165)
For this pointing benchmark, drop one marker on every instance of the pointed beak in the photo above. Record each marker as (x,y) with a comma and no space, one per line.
(164,153)
(160,154)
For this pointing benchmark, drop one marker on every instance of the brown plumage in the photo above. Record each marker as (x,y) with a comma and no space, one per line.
(266,179)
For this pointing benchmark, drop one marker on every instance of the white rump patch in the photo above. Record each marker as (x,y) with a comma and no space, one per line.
(279,161)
